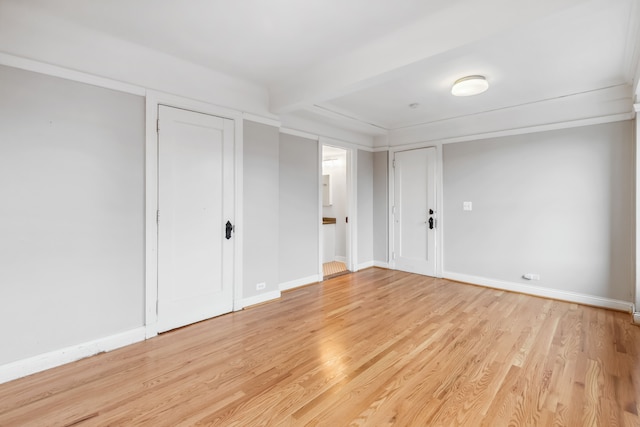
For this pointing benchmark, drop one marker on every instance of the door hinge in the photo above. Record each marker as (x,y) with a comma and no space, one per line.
(393,255)
(158,216)
(394,163)
(158,125)
(393,210)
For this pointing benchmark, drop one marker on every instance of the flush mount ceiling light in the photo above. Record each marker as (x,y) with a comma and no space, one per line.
(470,85)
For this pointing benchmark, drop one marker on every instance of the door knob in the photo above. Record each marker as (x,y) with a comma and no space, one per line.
(431,223)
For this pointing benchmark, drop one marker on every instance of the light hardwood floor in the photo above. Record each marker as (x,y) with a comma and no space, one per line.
(375,348)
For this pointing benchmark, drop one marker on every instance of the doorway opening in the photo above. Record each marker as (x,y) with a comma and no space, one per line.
(336,244)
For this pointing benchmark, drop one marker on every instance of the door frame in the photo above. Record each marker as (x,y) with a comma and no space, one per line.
(440,224)
(153,100)
(352,187)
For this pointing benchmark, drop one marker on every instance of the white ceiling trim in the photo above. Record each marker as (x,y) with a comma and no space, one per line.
(511,132)
(541,105)
(615,102)
(299,133)
(540,102)
(260,119)
(317,127)
(324,140)
(65,73)
(378,149)
(366,126)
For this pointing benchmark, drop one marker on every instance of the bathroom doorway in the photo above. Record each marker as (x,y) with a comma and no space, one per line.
(335,234)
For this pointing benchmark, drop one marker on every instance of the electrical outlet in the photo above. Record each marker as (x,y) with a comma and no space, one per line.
(260,286)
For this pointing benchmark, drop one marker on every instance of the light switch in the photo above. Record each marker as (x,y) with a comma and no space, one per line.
(467,206)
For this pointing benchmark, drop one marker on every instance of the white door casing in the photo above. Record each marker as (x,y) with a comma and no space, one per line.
(195,200)
(414,211)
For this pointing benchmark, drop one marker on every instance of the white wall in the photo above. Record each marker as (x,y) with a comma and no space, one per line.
(299,208)
(261,200)
(557,203)
(71,185)
(365,208)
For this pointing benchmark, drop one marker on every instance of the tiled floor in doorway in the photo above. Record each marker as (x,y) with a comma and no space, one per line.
(333,268)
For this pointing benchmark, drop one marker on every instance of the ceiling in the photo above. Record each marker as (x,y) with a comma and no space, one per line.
(359,64)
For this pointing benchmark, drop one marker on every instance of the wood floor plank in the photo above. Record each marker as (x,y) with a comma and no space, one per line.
(373,348)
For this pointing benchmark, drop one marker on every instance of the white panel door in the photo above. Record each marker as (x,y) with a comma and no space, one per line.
(195,200)
(414,211)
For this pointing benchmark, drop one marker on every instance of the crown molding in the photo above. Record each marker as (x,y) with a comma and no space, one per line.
(260,119)
(301,134)
(65,73)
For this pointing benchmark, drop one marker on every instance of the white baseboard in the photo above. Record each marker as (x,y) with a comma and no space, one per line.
(300,282)
(151,330)
(380,264)
(636,318)
(575,297)
(259,299)
(41,362)
(365,265)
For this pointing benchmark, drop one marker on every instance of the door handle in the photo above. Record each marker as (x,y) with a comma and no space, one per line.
(431,223)
(228,230)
